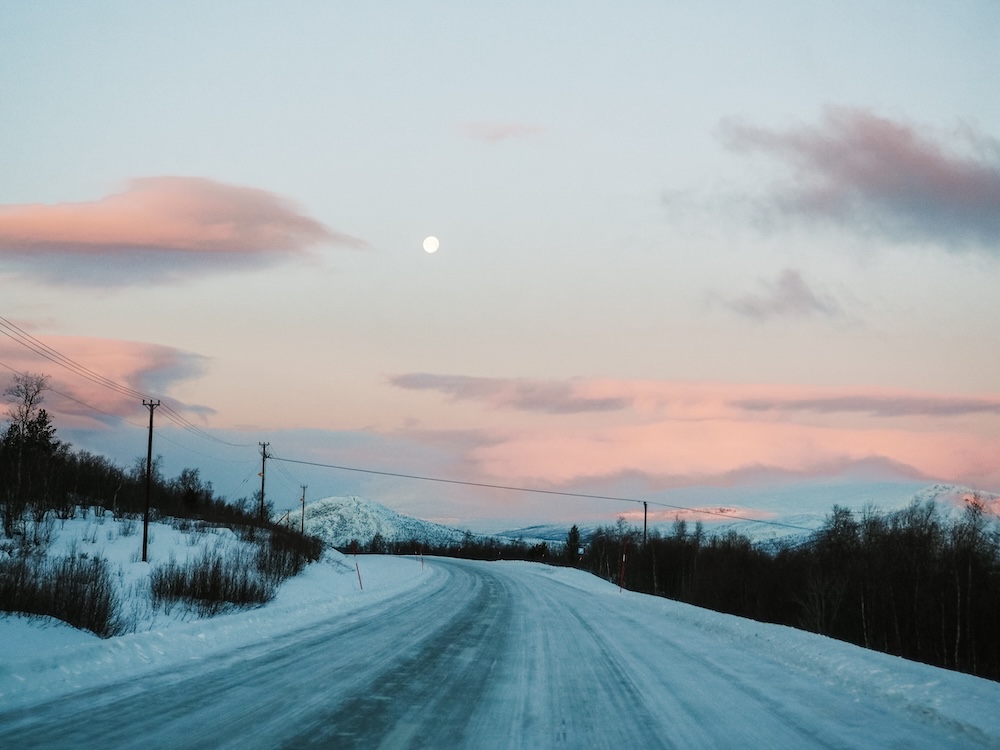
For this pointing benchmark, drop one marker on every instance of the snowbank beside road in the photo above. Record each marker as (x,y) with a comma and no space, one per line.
(42,657)
(726,643)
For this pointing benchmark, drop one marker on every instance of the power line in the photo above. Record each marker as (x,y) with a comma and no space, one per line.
(240,461)
(534,490)
(288,475)
(30,342)
(168,412)
(178,419)
(42,349)
(47,352)
(76,400)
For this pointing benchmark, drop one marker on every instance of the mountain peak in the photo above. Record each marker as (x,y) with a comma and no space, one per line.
(340,520)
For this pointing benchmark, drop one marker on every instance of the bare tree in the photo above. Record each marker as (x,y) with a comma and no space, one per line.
(25,396)
(29,424)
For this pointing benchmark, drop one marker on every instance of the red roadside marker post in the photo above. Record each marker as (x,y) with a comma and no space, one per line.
(354,548)
(621,576)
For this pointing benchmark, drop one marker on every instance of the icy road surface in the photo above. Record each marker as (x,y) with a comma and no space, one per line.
(516,655)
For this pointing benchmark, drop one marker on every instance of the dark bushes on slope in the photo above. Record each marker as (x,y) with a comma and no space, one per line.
(288,553)
(213,583)
(239,577)
(76,589)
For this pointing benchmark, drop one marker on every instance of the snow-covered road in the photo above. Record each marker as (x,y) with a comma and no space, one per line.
(518,655)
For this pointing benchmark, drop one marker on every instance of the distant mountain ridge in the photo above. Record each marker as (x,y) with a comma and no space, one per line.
(782,525)
(340,520)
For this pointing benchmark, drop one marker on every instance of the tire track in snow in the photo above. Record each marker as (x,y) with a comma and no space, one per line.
(423,700)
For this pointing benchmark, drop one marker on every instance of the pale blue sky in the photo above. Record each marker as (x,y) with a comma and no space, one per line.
(622,192)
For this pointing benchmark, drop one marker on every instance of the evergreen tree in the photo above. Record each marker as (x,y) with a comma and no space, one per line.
(572,549)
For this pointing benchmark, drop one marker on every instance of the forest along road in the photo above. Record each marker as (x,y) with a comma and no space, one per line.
(494,655)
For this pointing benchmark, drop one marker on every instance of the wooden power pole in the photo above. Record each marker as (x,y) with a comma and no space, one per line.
(263,466)
(303,508)
(151,405)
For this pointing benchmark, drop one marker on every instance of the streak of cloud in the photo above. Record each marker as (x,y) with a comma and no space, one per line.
(158,226)
(884,176)
(520,394)
(877,405)
(787,297)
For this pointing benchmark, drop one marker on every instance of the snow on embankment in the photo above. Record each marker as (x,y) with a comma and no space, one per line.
(763,652)
(41,657)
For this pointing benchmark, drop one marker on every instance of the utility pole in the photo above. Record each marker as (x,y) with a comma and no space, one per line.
(645,508)
(304,487)
(151,405)
(263,463)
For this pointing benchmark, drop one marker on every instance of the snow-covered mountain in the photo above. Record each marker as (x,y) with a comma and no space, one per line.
(339,520)
(952,500)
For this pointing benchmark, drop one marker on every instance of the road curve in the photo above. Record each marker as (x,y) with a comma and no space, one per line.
(483,655)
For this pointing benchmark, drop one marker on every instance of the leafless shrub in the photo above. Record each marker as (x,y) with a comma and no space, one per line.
(75,589)
(214,583)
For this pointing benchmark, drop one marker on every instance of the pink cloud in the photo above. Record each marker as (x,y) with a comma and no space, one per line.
(676,433)
(675,454)
(688,400)
(80,395)
(886,176)
(159,224)
(494,132)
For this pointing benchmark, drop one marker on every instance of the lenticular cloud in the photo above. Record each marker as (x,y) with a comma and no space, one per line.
(163,224)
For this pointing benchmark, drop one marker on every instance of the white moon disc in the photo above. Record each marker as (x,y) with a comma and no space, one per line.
(431,244)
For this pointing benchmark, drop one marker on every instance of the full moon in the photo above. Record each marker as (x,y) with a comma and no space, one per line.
(431,244)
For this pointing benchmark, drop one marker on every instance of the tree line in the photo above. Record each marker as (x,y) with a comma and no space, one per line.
(42,479)
(471,547)
(40,474)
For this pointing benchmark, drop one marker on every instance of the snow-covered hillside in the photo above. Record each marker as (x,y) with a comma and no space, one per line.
(97,533)
(340,520)
(952,500)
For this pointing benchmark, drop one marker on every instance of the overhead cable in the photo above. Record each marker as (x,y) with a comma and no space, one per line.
(42,349)
(534,490)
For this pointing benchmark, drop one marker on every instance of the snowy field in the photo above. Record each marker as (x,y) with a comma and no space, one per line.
(462,654)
